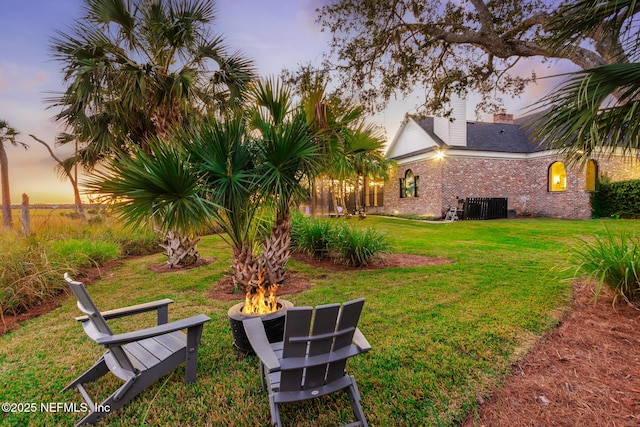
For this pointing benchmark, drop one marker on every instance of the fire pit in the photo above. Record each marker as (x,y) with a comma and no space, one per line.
(273,324)
(260,300)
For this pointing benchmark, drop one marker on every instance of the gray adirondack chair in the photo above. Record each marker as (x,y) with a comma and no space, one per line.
(310,361)
(138,358)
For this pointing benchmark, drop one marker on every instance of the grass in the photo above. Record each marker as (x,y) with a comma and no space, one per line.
(441,335)
(31,266)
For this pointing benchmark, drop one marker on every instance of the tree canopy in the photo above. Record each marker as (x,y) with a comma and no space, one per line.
(135,69)
(598,109)
(394,46)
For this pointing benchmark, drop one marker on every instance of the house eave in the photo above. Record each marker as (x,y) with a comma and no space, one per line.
(450,152)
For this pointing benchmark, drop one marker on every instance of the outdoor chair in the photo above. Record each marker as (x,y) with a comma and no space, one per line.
(138,358)
(310,361)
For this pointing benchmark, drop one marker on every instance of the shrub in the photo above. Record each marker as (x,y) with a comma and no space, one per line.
(321,238)
(613,262)
(312,236)
(357,247)
(84,253)
(32,267)
(29,276)
(616,199)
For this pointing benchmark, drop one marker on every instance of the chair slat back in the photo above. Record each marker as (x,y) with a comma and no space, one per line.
(297,324)
(349,317)
(308,333)
(323,323)
(97,325)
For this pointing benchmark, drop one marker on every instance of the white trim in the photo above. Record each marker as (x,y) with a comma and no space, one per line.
(452,152)
(420,138)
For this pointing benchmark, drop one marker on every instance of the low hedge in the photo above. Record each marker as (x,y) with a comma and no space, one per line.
(616,199)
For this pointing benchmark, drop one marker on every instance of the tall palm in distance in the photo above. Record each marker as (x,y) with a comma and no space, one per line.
(598,109)
(67,168)
(7,134)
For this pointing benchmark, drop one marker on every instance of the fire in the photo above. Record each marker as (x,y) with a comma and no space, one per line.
(263,300)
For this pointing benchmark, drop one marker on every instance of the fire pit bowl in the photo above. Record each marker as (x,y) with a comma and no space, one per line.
(273,324)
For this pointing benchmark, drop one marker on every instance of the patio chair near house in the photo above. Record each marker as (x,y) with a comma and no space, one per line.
(138,358)
(310,361)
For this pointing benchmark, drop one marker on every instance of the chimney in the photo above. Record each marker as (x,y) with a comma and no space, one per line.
(453,130)
(503,117)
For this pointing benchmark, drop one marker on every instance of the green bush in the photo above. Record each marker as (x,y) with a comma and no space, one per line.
(351,246)
(312,236)
(29,276)
(613,262)
(616,199)
(357,247)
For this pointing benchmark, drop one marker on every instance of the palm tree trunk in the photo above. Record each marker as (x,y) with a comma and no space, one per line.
(276,248)
(78,203)
(7,219)
(245,268)
(181,250)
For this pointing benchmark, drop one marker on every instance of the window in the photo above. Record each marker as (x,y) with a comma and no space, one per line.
(409,185)
(591,175)
(557,177)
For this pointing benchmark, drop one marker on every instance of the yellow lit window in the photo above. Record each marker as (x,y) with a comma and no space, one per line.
(557,177)
(591,175)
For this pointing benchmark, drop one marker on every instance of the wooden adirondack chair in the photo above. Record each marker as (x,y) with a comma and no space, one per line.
(138,358)
(310,361)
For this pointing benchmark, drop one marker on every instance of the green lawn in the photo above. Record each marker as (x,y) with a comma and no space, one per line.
(441,335)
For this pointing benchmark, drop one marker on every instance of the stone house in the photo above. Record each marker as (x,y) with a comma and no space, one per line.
(441,160)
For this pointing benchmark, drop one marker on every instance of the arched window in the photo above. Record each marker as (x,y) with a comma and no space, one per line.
(557,177)
(409,185)
(591,175)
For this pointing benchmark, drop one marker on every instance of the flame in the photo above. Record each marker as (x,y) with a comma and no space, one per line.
(263,300)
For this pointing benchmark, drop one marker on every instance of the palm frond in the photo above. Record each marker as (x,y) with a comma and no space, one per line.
(575,21)
(584,116)
(159,187)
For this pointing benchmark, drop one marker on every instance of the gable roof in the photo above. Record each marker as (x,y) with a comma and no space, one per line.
(496,137)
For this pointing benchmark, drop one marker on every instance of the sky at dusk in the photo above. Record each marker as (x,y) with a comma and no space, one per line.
(276,34)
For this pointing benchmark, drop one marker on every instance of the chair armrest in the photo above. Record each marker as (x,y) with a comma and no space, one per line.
(134,309)
(127,337)
(360,341)
(260,344)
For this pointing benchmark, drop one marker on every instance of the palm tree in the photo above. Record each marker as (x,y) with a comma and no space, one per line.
(159,187)
(67,168)
(351,148)
(7,134)
(225,163)
(136,69)
(596,109)
(287,159)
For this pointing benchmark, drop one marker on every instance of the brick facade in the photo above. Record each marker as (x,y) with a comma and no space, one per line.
(524,182)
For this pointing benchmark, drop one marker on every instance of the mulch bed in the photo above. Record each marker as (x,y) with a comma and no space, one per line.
(586,372)
(295,283)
